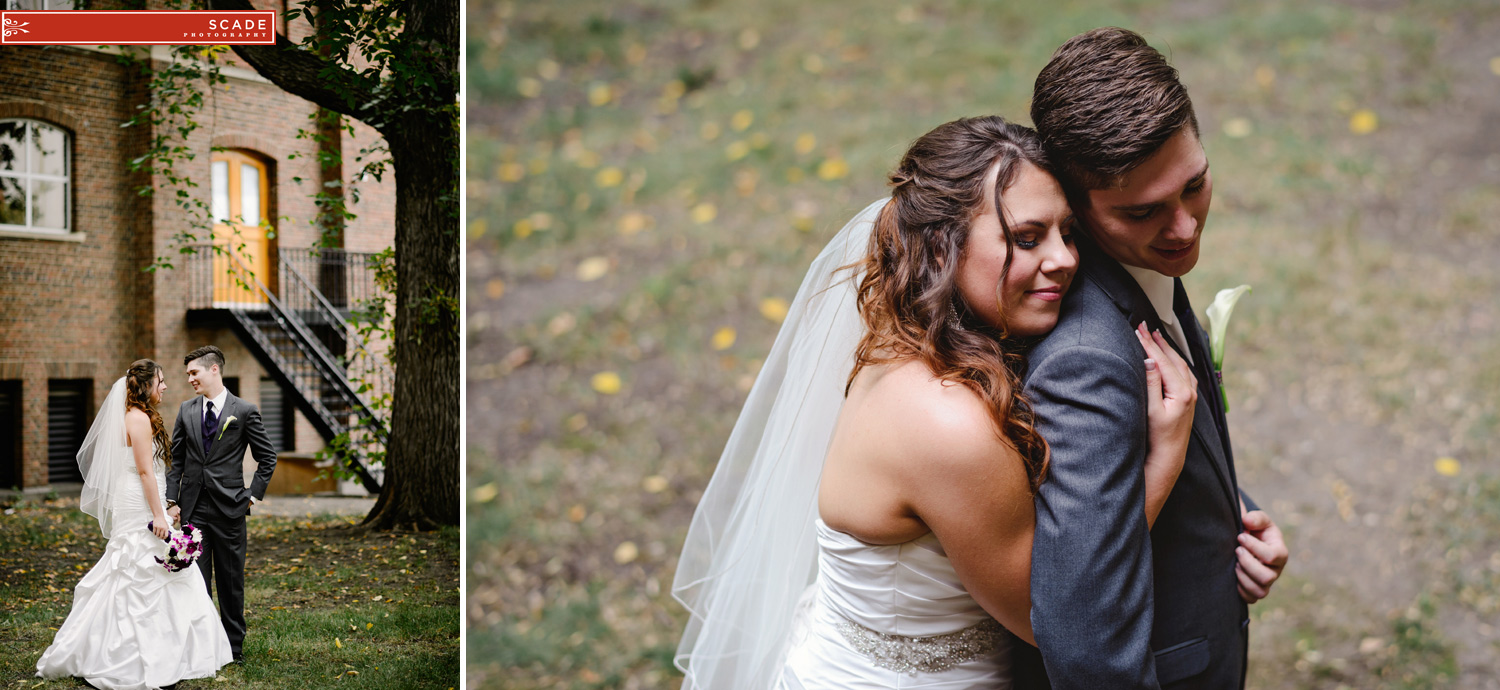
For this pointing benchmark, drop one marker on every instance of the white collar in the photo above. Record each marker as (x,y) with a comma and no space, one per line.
(218,402)
(1160,289)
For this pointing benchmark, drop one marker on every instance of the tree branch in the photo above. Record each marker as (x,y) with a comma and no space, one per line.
(305,74)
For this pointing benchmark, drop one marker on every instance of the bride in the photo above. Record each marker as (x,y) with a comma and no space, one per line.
(134,624)
(870,522)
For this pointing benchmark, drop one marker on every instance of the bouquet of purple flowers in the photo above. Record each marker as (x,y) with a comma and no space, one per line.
(183,547)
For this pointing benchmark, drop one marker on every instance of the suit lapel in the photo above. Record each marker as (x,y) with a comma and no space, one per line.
(195,425)
(1127,294)
(231,404)
(1214,430)
(1112,278)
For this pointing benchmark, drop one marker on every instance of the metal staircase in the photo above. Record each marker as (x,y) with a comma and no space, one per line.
(299,337)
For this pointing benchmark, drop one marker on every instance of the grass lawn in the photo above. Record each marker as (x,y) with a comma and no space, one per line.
(648,180)
(326,606)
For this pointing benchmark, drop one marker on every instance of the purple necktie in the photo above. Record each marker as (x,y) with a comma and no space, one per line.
(210,421)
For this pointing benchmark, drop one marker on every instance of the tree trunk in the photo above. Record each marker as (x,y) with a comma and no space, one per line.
(420,126)
(422,458)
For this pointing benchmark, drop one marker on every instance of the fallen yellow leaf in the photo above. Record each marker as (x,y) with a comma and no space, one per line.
(724,338)
(654,484)
(1265,76)
(577,513)
(737,150)
(562,323)
(536,166)
(704,212)
(367,627)
(805,143)
(673,90)
(742,120)
(626,552)
(495,288)
(833,169)
(1237,128)
(632,223)
(523,228)
(593,268)
(813,63)
(511,172)
(1448,467)
(338,643)
(548,69)
(1495,65)
(749,38)
(607,382)
(745,180)
(478,227)
(774,308)
(528,87)
(1363,122)
(609,177)
(486,493)
(577,422)
(709,131)
(600,94)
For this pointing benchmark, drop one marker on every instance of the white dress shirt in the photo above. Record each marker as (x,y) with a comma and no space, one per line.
(1160,290)
(218,401)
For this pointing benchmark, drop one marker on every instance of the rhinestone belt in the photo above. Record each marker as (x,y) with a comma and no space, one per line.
(933,654)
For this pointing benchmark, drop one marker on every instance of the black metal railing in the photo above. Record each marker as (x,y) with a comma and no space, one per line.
(219,280)
(324,319)
(345,279)
(286,344)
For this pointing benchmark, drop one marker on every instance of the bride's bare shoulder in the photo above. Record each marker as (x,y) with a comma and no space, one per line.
(137,424)
(939,418)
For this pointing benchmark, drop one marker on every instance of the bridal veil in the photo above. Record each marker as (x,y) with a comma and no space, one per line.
(751,550)
(104,459)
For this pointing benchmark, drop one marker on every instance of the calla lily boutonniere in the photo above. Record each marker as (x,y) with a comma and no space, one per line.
(1218,325)
(226,426)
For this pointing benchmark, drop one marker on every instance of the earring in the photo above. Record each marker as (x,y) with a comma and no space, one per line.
(953,320)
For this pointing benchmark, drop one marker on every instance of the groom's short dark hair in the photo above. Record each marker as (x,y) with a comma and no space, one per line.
(1104,104)
(213,354)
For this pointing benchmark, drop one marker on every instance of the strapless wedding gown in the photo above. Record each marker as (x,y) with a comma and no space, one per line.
(135,625)
(892,617)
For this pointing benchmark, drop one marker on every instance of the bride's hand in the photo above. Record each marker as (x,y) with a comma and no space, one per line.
(1171,393)
(159,527)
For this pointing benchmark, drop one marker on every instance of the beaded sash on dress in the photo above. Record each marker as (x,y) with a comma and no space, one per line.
(933,654)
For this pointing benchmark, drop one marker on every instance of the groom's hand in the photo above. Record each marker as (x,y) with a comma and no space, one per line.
(175,513)
(1262,556)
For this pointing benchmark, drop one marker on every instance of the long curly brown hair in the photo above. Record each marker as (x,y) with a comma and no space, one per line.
(140,379)
(909,297)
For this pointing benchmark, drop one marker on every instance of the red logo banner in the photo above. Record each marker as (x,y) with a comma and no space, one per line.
(138,27)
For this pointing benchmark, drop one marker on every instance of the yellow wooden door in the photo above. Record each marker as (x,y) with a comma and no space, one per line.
(240,200)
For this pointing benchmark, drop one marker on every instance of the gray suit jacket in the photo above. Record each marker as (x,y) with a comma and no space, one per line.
(220,477)
(1113,604)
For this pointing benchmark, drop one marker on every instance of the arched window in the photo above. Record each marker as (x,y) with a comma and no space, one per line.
(34,176)
(240,185)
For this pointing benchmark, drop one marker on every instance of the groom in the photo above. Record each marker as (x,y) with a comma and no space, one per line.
(1113,604)
(206,483)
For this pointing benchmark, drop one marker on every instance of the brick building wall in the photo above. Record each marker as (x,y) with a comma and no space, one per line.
(80,307)
(73,306)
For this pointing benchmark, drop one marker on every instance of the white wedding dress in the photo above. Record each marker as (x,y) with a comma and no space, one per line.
(134,624)
(882,617)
